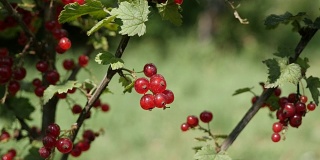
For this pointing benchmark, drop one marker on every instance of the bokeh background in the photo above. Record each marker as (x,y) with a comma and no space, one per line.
(204,61)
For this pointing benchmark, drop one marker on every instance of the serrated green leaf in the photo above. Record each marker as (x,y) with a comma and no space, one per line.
(273,102)
(313,83)
(242,90)
(62,88)
(304,64)
(73,11)
(133,16)
(107,58)
(100,42)
(100,24)
(21,107)
(274,69)
(206,153)
(127,83)
(203,138)
(170,11)
(7,117)
(316,23)
(222,156)
(284,52)
(274,20)
(288,73)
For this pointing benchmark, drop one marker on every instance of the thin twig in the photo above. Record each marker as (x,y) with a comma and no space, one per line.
(103,84)
(306,36)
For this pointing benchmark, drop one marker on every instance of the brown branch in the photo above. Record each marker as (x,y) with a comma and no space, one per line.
(18,18)
(306,36)
(103,84)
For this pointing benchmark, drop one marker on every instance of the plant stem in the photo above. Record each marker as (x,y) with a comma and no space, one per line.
(306,36)
(103,84)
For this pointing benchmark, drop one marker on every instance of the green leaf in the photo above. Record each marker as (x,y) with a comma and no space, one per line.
(62,88)
(22,108)
(33,154)
(316,23)
(222,156)
(170,11)
(242,90)
(274,20)
(203,138)
(127,83)
(288,73)
(73,11)
(304,64)
(273,102)
(107,58)
(313,83)
(7,117)
(103,23)
(284,52)
(274,69)
(206,153)
(133,16)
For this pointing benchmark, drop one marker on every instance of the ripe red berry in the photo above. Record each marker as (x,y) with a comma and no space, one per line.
(311,106)
(303,99)
(76,109)
(178,2)
(5,73)
(64,43)
(5,136)
(19,73)
(105,107)
(149,69)
(283,101)
(147,102)
(184,127)
(76,151)
(141,85)
(42,66)
(277,92)
(7,156)
(89,135)
(53,130)
(38,91)
(61,95)
(192,121)
(49,141)
(292,98)
(295,121)
(72,90)
(6,61)
(59,50)
(36,82)
(206,116)
(52,77)
(160,100)
(170,96)
(68,64)
(277,127)
(289,110)
(301,108)
(275,137)
(44,152)
(64,145)
(13,87)
(83,60)
(157,84)
(12,152)
(83,145)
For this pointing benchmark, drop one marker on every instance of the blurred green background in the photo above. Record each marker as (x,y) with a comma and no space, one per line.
(204,62)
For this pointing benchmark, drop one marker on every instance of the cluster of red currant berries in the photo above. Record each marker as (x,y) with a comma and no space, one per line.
(193,121)
(291,111)
(160,96)
(11,153)
(84,144)
(77,109)
(10,74)
(52,141)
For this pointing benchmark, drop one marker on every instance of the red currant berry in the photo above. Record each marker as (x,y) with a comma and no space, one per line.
(64,43)
(303,99)
(72,90)
(83,60)
(19,73)
(7,157)
(5,136)
(83,145)
(42,66)
(141,85)
(52,77)
(147,102)
(76,151)
(254,99)
(13,87)
(283,101)
(160,100)
(149,69)
(36,82)
(5,73)
(184,127)
(64,145)
(88,135)
(178,2)
(277,92)
(105,107)
(51,25)
(97,103)
(157,84)
(65,2)
(276,137)
(170,96)
(49,141)
(206,116)
(4,52)
(53,130)
(295,121)
(68,64)
(76,109)
(292,98)
(301,108)
(192,121)
(311,106)
(12,152)
(61,95)
(289,110)
(6,61)
(277,127)
(38,91)
(59,33)
(60,50)
(44,152)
